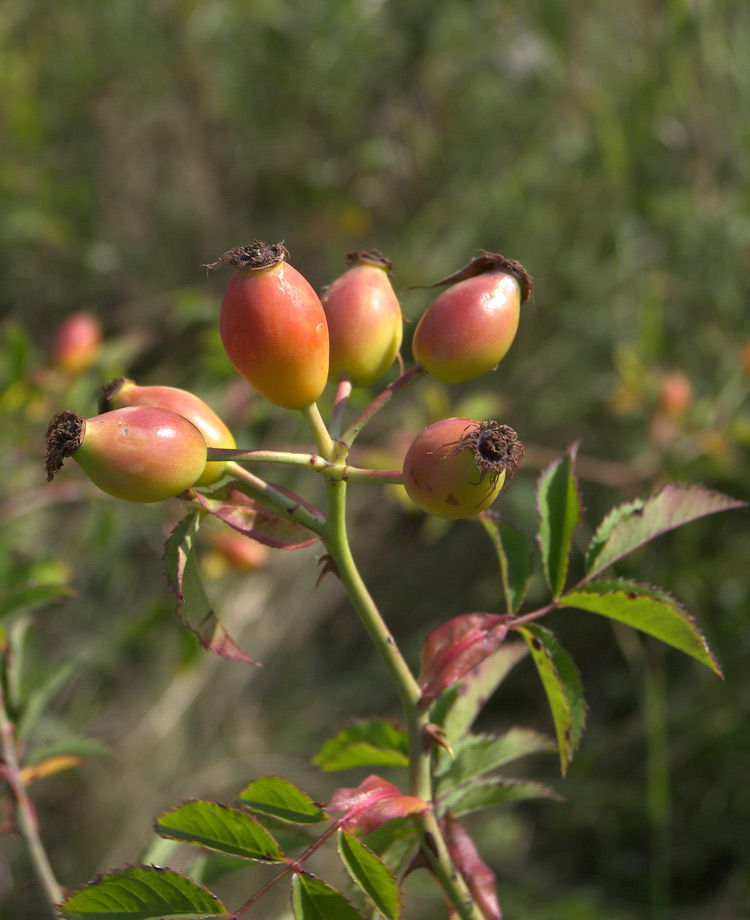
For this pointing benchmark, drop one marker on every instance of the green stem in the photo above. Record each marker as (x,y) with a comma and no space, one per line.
(420,776)
(405,380)
(320,432)
(289,458)
(25,816)
(289,506)
(356,474)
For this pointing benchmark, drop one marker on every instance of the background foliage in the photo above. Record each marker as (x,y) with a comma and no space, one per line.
(606,147)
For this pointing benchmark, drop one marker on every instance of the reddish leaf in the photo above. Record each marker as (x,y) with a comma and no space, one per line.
(453,649)
(193,607)
(479,878)
(371,804)
(251,517)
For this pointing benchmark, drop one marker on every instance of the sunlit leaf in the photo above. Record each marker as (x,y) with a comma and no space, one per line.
(249,516)
(362,809)
(455,647)
(514,555)
(559,506)
(275,796)
(631,525)
(645,608)
(562,684)
(366,743)
(194,609)
(371,875)
(491,791)
(142,893)
(314,899)
(479,754)
(217,827)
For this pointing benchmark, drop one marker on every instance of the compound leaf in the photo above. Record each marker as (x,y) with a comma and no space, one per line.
(314,899)
(631,525)
(562,684)
(277,797)
(142,893)
(559,506)
(371,875)
(645,608)
(365,743)
(220,828)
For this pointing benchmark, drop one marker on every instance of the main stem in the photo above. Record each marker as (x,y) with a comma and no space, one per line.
(24,812)
(420,778)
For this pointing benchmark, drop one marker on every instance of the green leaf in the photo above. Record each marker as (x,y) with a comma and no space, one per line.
(457,708)
(514,555)
(25,598)
(142,893)
(313,899)
(645,608)
(492,791)
(562,684)
(272,795)
(371,875)
(480,754)
(67,746)
(193,607)
(218,827)
(559,506)
(631,525)
(366,743)
(395,842)
(39,698)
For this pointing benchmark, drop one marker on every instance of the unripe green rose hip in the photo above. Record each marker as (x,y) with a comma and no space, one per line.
(139,454)
(123,392)
(364,320)
(456,467)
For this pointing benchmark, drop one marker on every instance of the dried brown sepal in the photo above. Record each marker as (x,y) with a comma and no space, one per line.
(109,390)
(257,256)
(496,449)
(369,257)
(489,262)
(65,434)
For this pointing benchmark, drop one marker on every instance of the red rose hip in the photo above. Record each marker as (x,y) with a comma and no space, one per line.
(456,468)
(273,326)
(140,454)
(123,392)
(76,342)
(364,320)
(468,329)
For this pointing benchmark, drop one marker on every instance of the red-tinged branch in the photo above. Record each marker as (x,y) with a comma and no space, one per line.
(405,380)
(25,816)
(357,474)
(293,509)
(343,392)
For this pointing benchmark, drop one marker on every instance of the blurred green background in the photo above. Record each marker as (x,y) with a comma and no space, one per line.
(605,145)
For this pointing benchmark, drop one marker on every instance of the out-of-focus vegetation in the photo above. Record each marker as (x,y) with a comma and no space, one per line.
(606,146)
